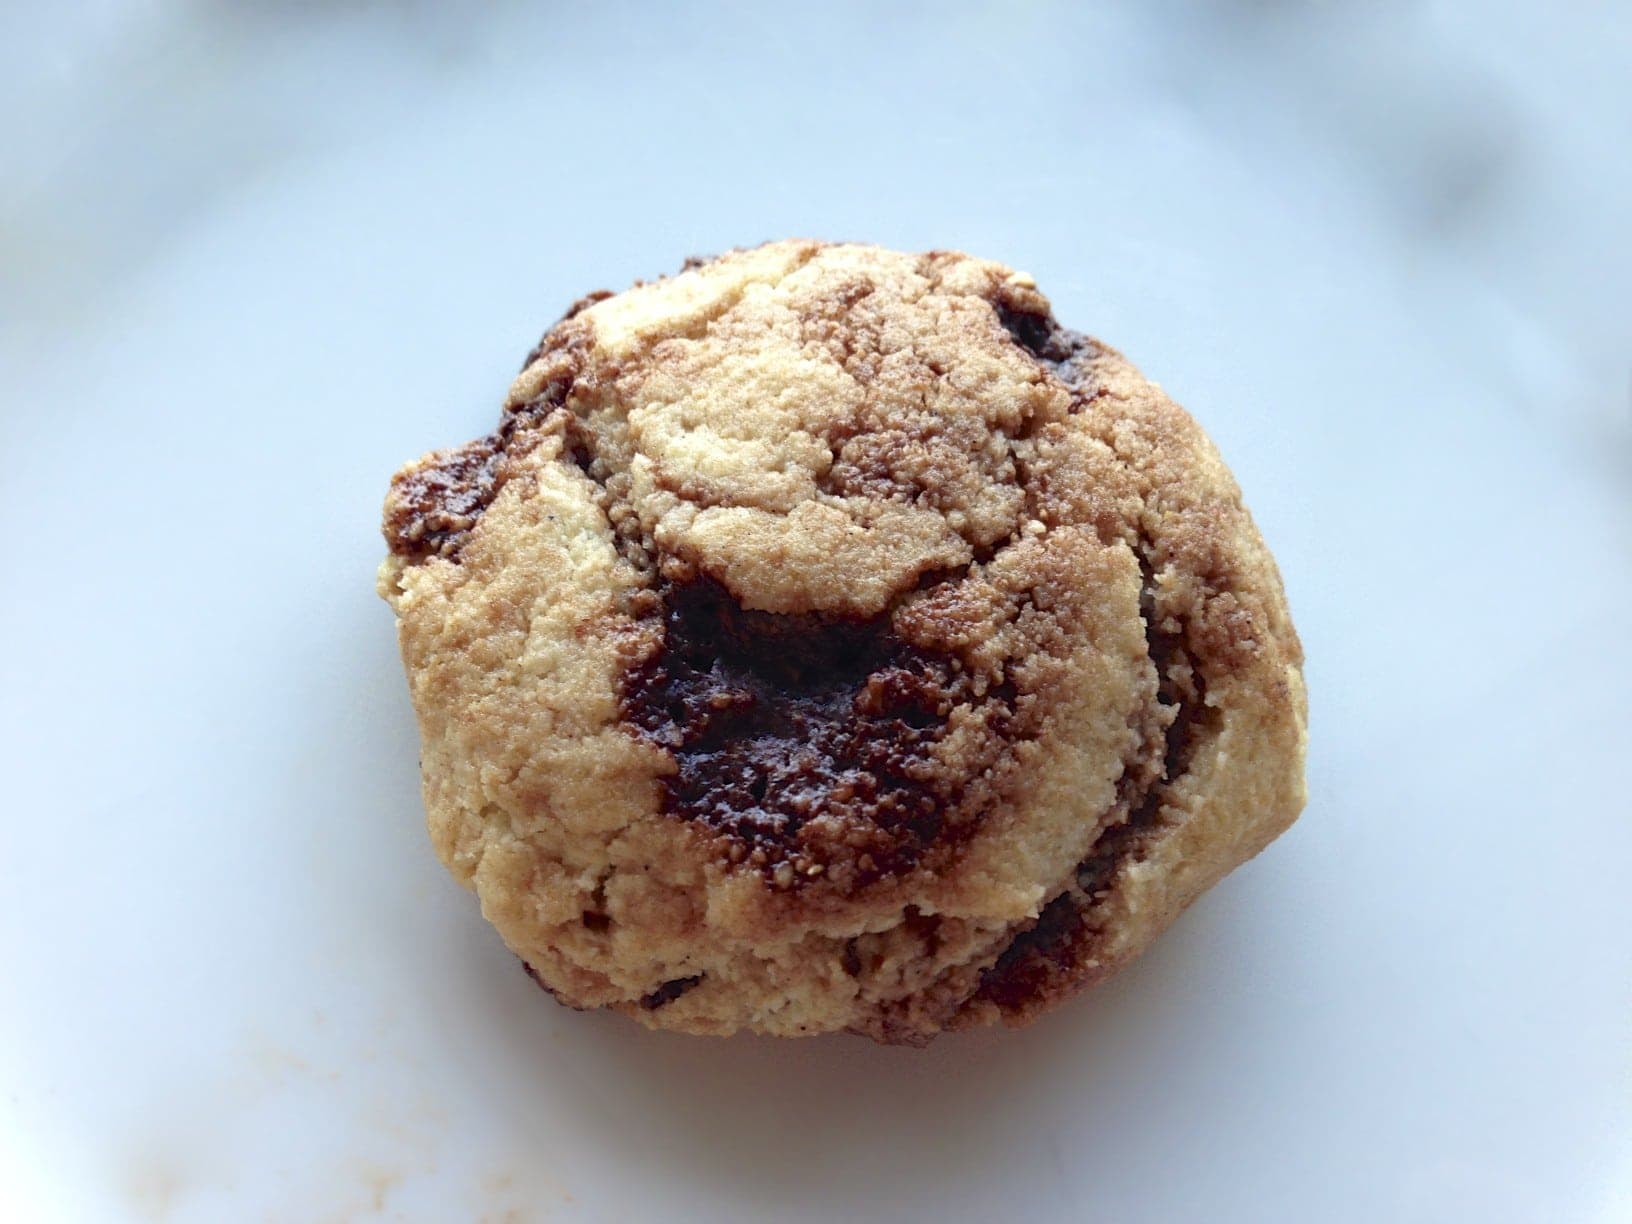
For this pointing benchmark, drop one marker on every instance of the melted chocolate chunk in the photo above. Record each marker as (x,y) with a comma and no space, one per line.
(572,312)
(807,740)
(851,958)
(1041,957)
(434,506)
(669,992)
(1042,960)
(1063,352)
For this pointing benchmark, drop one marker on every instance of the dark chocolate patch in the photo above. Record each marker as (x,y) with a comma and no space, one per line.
(851,958)
(669,992)
(572,312)
(806,740)
(434,505)
(1044,960)
(1039,959)
(1064,353)
(553,340)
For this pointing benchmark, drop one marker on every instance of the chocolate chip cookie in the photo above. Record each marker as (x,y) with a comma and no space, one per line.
(826,638)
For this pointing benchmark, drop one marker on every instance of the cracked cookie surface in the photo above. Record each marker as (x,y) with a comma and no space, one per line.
(828,639)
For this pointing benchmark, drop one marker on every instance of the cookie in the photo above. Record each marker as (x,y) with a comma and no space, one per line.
(827,639)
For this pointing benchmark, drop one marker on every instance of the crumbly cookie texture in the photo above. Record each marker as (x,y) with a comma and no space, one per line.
(827,639)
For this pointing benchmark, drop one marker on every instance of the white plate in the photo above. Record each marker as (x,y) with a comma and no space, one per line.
(256,257)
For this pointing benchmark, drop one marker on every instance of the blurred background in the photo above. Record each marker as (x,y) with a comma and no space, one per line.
(255,255)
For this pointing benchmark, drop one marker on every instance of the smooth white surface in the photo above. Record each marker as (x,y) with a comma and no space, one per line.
(255,258)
